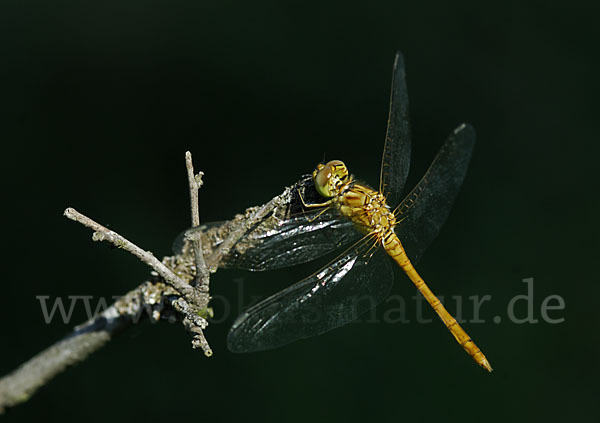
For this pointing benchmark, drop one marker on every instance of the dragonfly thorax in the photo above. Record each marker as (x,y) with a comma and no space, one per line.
(364,206)
(367,208)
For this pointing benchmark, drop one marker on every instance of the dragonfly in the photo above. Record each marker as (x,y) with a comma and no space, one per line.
(328,209)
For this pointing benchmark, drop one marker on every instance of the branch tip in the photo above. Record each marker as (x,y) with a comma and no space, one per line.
(195,182)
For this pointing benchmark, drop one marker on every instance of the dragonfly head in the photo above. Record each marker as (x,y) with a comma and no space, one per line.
(328,177)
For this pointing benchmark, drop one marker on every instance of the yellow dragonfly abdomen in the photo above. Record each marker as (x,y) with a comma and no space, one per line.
(394,248)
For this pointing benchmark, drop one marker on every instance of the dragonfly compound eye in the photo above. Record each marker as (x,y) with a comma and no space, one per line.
(327,177)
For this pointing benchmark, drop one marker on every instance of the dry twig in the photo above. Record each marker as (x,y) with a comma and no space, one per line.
(195,182)
(181,297)
(103,234)
(175,295)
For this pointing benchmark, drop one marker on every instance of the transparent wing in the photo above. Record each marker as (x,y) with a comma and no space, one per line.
(293,241)
(335,295)
(290,235)
(425,209)
(396,150)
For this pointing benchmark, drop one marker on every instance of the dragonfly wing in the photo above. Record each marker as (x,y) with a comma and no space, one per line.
(333,296)
(292,242)
(396,150)
(423,212)
(288,236)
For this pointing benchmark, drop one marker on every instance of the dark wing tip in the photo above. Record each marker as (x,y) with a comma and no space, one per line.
(236,341)
(398,59)
(464,135)
(398,72)
(466,131)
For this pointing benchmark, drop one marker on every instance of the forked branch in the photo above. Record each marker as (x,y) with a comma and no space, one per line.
(175,295)
(103,234)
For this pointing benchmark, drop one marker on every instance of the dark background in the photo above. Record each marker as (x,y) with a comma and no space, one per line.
(100,100)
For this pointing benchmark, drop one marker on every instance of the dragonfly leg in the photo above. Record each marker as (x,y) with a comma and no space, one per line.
(326,203)
(401,220)
(317,216)
(375,238)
